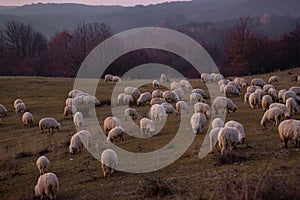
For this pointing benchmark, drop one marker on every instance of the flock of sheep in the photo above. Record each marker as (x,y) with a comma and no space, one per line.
(278,107)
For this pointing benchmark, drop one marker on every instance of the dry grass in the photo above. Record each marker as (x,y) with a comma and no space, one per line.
(259,170)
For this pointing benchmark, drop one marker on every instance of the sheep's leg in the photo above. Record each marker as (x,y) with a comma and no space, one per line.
(285,143)
(297,143)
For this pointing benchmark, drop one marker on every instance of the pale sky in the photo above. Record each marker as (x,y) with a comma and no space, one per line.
(88,2)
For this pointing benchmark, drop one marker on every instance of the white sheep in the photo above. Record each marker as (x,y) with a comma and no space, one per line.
(292,105)
(155,84)
(272,115)
(266,102)
(170,96)
(252,88)
(273,79)
(195,97)
(231,90)
(158,113)
(78,140)
(198,121)
(27,119)
(181,106)
(69,111)
(157,94)
(260,92)
(239,127)
(144,98)
(296,89)
(267,87)
(222,104)
(120,100)
(227,139)
(254,100)
(163,78)
(202,108)
(110,123)
(283,107)
(217,122)
(179,93)
(234,84)
(133,91)
(258,81)
(223,81)
(108,78)
(49,123)
(130,112)
(273,93)
(175,85)
(170,109)
(109,161)
(78,119)
(42,164)
(147,127)
(127,100)
(289,130)
(3,110)
(205,77)
(157,101)
(115,133)
(217,77)
(47,186)
(280,94)
(17,101)
(90,100)
(200,91)
(73,93)
(69,101)
(289,94)
(20,107)
(185,85)
(116,79)
(246,98)
(213,136)
(242,82)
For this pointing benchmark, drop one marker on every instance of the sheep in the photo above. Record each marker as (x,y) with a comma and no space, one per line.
(252,88)
(73,93)
(144,98)
(27,119)
(110,123)
(242,82)
(283,107)
(273,93)
(69,101)
(227,139)
(240,128)
(157,94)
(163,78)
(108,78)
(223,103)
(237,86)
(78,101)
(77,141)
(217,77)
(170,109)
(213,136)
(267,87)
(231,90)
(266,102)
(133,91)
(202,108)
(175,85)
(246,98)
(49,123)
(116,79)
(69,110)
(120,100)
(147,127)
(280,94)
(170,96)
(292,105)
(181,106)
(78,119)
(296,89)
(185,85)
(198,121)
(42,164)
(155,84)
(17,101)
(272,115)
(298,80)
(47,186)
(195,97)
(3,110)
(109,162)
(273,79)
(222,88)
(217,122)
(205,77)
(115,133)
(258,81)
(289,130)
(200,91)
(254,100)
(289,94)
(127,100)
(20,107)
(260,92)
(223,81)
(90,100)
(179,93)
(158,113)
(130,112)
(157,101)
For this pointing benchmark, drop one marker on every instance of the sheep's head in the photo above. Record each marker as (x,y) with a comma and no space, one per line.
(58,126)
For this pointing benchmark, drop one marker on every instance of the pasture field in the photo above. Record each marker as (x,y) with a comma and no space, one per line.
(260,169)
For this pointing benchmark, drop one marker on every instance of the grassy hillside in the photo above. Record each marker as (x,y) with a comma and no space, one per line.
(259,170)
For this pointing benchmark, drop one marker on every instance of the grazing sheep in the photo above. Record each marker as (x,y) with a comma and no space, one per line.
(205,77)
(195,97)
(69,111)
(20,108)
(273,93)
(280,94)
(90,100)
(157,101)
(78,119)
(222,104)
(116,79)
(289,130)
(69,101)
(240,128)
(78,140)
(121,99)
(185,85)
(158,113)
(200,91)
(198,121)
(237,86)
(175,85)
(3,110)
(202,108)
(163,78)
(47,186)
(73,93)
(295,89)
(273,79)
(266,102)
(110,123)
(42,164)
(223,81)
(144,98)
(133,91)
(157,94)
(27,119)
(289,94)
(252,88)
(267,87)
(182,105)
(115,133)
(230,90)
(260,92)
(155,84)
(147,127)
(272,115)
(108,78)
(242,82)
(217,77)
(258,81)
(246,98)
(227,139)
(127,100)
(109,162)
(16,102)
(213,136)
(254,100)
(170,96)
(283,107)
(170,109)
(179,93)
(78,101)
(49,123)
(217,122)
(292,105)
(130,112)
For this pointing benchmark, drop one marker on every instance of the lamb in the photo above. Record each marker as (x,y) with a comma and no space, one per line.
(144,98)
(147,127)
(78,119)
(42,164)
(109,160)
(266,102)
(110,123)
(273,79)
(213,135)
(280,94)
(292,105)
(185,85)
(289,94)
(227,139)
(195,97)
(258,81)
(158,113)
(163,78)
(116,79)
(240,128)
(20,107)
(69,111)
(108,78)
(130,112)
(254,100)
(223,103)
(170,96)
(49,123)
(231,90)
(155,84)
(115,133)
(127,100)
(283,107)
(296,89)
(198,121)
(170,109)
(217,122)
(157,101)
(200,91)
(181,106)
(78,140)
(289,130)
(202,108)
(47,186)
(17,101)
(3,110)
(157,94)
(272,115)
(27,119)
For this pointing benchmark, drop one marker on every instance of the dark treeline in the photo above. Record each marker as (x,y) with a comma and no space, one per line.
(241,50)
